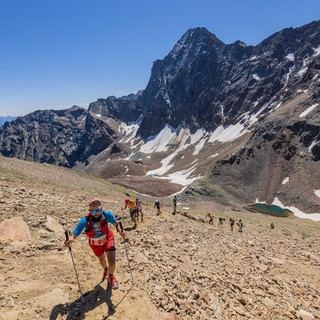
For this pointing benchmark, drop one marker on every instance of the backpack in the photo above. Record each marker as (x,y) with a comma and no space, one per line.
(89,231)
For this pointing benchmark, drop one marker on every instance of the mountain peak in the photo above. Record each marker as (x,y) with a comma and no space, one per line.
(196,38)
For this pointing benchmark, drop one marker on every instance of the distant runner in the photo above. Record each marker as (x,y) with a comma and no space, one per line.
(210,218)
(240,225)
(139,206)
(133,209)
(175,204)
(157,205)
(221,221)
(231,221)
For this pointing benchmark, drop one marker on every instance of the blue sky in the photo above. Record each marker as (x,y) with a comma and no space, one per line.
(54,54)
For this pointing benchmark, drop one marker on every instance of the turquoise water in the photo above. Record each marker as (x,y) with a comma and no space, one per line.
(269,209)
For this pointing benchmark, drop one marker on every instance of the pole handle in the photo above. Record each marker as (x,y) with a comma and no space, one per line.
(66,232)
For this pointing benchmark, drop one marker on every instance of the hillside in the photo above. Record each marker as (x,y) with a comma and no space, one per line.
(182,268)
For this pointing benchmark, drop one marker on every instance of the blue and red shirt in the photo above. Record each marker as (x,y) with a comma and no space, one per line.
(83,223)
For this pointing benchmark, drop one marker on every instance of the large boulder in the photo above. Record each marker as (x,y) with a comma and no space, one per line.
(14,229)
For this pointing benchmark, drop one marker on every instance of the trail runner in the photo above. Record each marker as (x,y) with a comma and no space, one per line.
(157,205)
(101,238)
(139,206)
(133,209)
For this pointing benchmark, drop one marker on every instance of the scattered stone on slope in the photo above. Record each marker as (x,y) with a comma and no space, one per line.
(182,268)
(14,229)
(53,225)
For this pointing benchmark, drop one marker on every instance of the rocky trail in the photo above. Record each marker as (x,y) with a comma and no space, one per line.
(182,268)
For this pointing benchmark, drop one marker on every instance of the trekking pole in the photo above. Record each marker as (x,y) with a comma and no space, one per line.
(125,247)
(74,266)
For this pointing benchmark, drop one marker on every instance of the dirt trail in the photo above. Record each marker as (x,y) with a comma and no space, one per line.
(182,268)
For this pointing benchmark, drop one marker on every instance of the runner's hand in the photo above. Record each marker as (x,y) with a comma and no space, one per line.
(68,243)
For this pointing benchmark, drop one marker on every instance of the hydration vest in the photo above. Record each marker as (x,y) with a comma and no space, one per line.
(89,231)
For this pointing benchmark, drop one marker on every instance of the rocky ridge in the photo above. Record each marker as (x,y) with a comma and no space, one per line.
(182,268)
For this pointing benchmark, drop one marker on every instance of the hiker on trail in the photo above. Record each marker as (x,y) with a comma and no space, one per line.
(221,221)
(210,218)
(231,221)
(101,238)
(157,205)
(133,209)
(240,225)
(175,204)
(139,206)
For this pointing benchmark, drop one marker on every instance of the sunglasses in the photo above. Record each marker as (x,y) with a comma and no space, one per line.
(96,211)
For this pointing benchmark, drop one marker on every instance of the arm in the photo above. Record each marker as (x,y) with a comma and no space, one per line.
(112,219)
(76,231)
(118,226)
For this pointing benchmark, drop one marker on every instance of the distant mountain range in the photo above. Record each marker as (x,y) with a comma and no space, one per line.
(4,119)
(233,123)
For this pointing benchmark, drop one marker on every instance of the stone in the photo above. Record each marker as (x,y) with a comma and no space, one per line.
(14,229)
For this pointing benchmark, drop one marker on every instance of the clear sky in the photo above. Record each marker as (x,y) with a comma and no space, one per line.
(57,53)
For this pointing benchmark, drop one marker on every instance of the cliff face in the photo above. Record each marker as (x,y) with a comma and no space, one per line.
(58,137)
(205,83)
(242,118)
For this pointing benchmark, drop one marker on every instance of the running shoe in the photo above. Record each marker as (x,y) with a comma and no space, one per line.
(113,282)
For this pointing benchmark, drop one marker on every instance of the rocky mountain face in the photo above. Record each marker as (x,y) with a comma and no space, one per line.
(61,137)
(124,109)
(204,83)
(240,121)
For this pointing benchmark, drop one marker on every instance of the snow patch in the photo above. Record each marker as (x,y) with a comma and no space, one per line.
(312,145)
(165,166)
(317,193)
(214,155)
(182,177)
(256,77)
(129,132)
(302,71)
(228,133)
(316,51)
(160,142)
(287,76)
(290,57)
(308,110)
(285,181)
